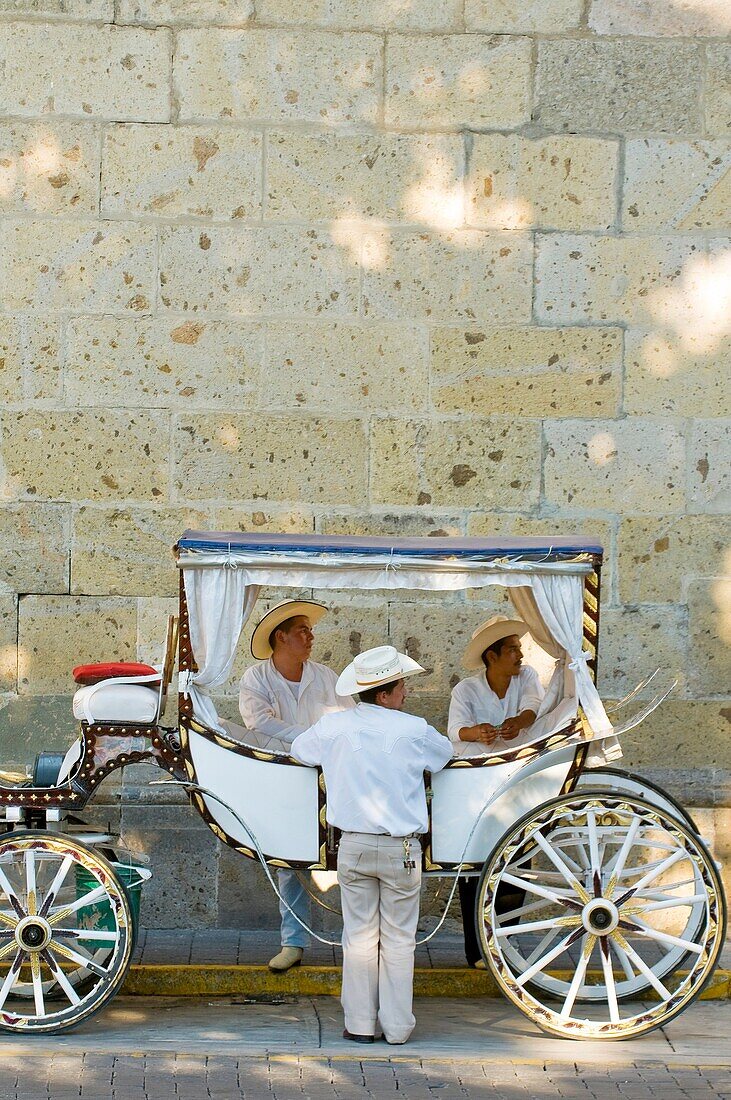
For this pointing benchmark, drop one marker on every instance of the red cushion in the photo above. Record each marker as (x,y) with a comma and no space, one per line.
(92,674)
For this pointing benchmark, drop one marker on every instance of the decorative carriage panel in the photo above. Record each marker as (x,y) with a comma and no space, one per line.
(280,802)
(460,793)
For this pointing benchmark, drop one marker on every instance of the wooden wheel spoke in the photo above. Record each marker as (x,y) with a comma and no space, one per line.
(60,977)
(35,969)
(56,915)
(578,978)
(609,979)
(545,959)
(538,926)
(30,882)
(541,891)
(560,866)
(74,956)
(56,885)
(11,975)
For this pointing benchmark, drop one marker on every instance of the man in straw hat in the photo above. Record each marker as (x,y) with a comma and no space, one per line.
(499,700)
(374,758)
(281,696)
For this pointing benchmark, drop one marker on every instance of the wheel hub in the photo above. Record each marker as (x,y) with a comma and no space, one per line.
(33,933)
(600,916)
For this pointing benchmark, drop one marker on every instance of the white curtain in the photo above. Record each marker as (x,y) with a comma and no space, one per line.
(553,608)
(219,603)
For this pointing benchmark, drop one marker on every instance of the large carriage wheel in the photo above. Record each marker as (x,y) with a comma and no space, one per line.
(617,892)
(65,927)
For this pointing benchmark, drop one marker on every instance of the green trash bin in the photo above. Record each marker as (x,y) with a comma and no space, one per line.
(99,915)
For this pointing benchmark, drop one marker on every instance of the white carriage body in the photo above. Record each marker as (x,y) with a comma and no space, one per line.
(254,796)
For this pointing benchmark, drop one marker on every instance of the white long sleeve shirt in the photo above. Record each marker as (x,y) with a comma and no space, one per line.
(280,708)
(473,700)
(374,761)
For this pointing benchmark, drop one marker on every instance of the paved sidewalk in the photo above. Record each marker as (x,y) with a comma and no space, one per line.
(228,1049)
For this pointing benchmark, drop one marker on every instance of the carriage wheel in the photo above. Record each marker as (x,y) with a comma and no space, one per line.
(65,927)
(617,892)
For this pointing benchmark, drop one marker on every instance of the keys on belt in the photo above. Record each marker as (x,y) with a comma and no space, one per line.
(409,863)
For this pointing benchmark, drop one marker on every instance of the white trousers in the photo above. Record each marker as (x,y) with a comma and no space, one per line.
(380,900)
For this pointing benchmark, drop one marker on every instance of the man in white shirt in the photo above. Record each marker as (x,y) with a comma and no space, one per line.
(374,758)
(498,701)
(280,697)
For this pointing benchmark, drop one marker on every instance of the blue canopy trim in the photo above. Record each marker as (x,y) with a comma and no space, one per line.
(560,548)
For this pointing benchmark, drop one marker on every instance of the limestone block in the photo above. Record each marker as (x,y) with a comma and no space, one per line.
(456,276)
(34,547)
(346,368)
(656,555)
(490,463)
(49,167)
(391,177)
(174,836)
(270,74)
(522,16)
(709,466)
(622,466)
(152,621)
(632,279)
(8,643)
(688,18)
(36,723)
(618,84)
(546,183)
(30,366)
(81,265)
(685,732)
(452,81)
(55,633)
(244,894)
(128,551)
(424,15)
(186,171)
(239,518)
(104,455)
(675,185)
(633,642)
(684,373)
(119,73)
(271,270)
(718,88)
(71,9)
(527,371)
(273,458)
(191,12)
(400,525)
(168,362)
(709,634)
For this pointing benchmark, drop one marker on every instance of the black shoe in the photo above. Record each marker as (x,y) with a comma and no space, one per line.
(358,1038)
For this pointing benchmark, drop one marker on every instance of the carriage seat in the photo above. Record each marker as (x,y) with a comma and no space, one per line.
(122,692)
(117,700)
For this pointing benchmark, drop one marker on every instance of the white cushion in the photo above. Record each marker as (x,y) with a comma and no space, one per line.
(113,702)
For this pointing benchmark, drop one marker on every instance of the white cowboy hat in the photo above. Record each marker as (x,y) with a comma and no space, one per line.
(376,668)
(492,631)
(278,614)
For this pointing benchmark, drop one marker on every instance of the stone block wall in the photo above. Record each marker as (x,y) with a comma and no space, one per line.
(400,266)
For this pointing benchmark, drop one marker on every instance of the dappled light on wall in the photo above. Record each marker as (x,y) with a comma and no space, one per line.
(363,240)
(698,310)
(602,448)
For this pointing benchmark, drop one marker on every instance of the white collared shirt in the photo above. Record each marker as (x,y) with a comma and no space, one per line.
(269,704)
(473,700)
(374,761)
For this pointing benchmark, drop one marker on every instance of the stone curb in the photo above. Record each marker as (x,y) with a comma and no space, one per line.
(212,980)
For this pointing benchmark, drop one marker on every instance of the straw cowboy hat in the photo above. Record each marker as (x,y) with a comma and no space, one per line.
(492,631)
(376,668)
(278,614)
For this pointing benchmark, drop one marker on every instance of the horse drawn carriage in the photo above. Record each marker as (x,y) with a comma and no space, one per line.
(620,917)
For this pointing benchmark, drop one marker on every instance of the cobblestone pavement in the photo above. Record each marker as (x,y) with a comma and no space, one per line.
(170,1077)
